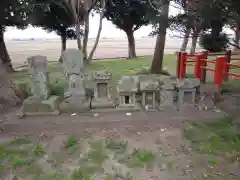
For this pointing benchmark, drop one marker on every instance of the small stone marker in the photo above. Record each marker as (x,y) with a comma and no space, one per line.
(41,103)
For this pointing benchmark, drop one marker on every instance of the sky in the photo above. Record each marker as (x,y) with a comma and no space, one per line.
(108,30)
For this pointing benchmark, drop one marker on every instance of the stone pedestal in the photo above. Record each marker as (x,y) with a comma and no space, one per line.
(33,106)
(41,103)
(75,104)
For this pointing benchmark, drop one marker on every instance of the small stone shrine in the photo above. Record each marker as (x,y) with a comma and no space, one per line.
(187,87)
(175,92)
(40,103)
(127,89)
(75,96)
(102,87)
(148,89)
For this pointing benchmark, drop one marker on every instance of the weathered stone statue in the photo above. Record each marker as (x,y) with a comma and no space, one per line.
(40,103)
(75,95)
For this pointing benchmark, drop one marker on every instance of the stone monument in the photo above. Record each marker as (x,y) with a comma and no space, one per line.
(127,89)
(102,87)
(75,95)
(40,103)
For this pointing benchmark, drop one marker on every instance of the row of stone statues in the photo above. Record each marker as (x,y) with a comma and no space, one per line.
(131,92)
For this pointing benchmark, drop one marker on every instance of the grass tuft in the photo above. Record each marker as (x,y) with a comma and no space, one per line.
(138,158)
(83,173)
(116,145)
(217,137)
(38,150)
(71,141)
(20,141)
(97,154)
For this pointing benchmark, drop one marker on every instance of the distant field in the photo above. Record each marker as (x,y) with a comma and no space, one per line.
(107,48)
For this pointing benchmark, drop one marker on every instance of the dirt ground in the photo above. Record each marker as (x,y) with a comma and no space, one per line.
(142,146)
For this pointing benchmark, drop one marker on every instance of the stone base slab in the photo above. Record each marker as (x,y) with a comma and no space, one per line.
(129,108)
(32,106)
(77,107)
(102,104)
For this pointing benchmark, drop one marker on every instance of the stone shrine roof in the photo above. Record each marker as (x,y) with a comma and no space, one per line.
(128,84)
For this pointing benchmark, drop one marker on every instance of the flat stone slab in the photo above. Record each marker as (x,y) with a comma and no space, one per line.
(32,106)
(137,107)
(102,104)
(77,107)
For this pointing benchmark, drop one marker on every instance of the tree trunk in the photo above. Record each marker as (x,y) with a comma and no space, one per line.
(74,6)
(8,97)
(85,38)
(64,45)
(157,62)
(78,33)
(237,37)
(194,41)
(185,40)
(103,5)
(3,52)
(131,44)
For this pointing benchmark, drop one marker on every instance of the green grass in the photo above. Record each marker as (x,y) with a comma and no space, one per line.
(138,158)
(97,154)
(118,68)
(220,137)
(38,150)
(71,141)
(116,145)
(20,154)
(19,141)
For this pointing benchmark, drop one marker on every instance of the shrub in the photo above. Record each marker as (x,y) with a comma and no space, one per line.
(22,90)
(214,43)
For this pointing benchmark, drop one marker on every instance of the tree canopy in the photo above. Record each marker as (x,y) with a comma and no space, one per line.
(12,13)
(129,16)
(56,18)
